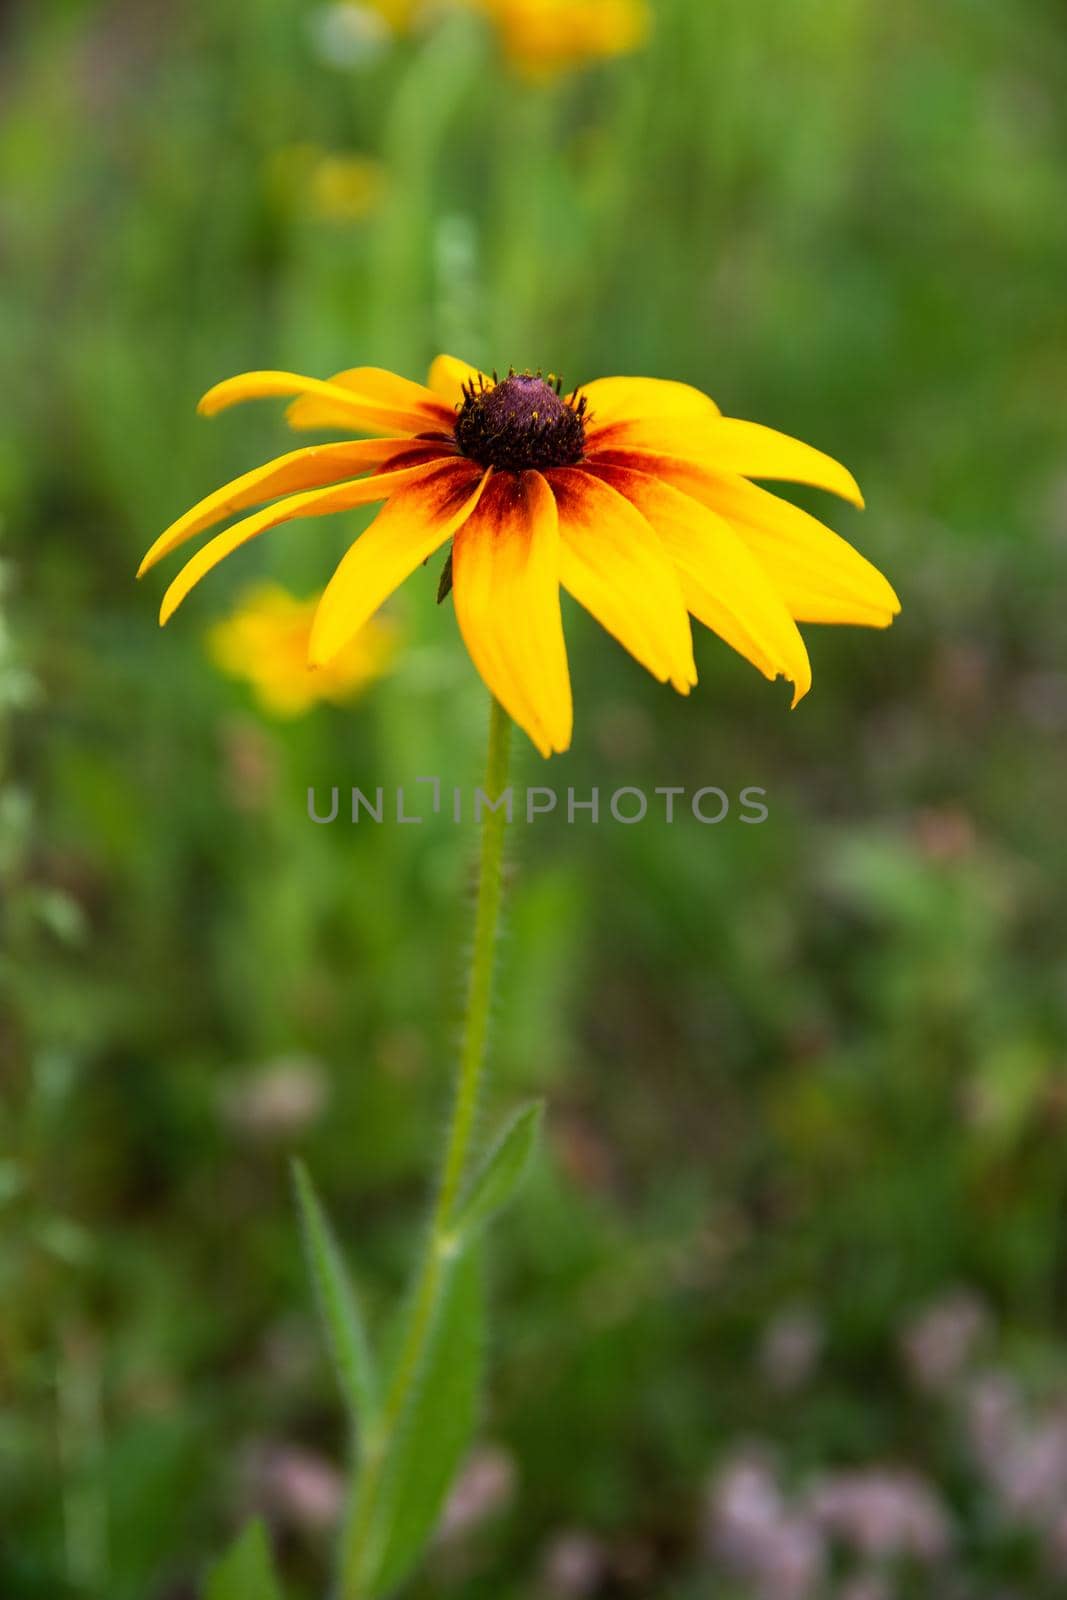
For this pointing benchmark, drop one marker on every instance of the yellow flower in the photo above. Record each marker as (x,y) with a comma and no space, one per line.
(265,641)
(633,494)
(332,186)
(540,37)
(543,37)
(344,188)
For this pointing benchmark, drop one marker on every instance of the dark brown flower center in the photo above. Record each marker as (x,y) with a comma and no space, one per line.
(521,424)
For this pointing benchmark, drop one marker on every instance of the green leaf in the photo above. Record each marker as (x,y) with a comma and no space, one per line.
(246,1571)
(503,1171)
(434,1434)
(338,1304)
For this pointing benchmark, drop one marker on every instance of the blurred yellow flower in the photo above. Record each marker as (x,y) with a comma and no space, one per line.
(332,186)
(540,37)
(343,188)
(544,37)
(265,642)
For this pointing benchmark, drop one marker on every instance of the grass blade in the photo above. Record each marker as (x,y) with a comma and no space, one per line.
(338,1304)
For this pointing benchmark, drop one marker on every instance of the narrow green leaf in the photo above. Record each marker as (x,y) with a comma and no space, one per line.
(435,1433)
(246,1571)
(503,1171)
(338,1304)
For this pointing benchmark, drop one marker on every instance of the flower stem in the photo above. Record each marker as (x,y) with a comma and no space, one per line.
(480,987)
(357,1559)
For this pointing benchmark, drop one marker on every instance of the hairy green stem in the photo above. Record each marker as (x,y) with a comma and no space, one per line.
(357,1557)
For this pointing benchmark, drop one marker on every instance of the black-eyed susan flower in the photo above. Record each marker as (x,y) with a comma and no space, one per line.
(265,643)
(633,494)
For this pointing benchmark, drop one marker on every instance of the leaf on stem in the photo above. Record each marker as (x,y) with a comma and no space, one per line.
(503,1171)
(246,1571)
(338,1304)
(435,1431)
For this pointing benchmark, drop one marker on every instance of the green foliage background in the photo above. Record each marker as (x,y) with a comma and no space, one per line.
(820,1061)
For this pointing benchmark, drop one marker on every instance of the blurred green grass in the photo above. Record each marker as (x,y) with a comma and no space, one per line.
(819,1061)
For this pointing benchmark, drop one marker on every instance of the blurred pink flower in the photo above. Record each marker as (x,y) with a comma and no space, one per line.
(758,1538)
(945,833)
(483,1488)
(1023,1459)
(574,1565)
(791,1347)
(993,1410)
(941,1340)
(294,1487)
(882,1512)
(279,1100)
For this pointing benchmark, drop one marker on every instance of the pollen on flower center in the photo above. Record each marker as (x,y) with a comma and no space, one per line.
(521,424)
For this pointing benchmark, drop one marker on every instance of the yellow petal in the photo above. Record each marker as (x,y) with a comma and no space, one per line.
(651,414)
(418,519)
(728,445)
(315,466)
(346,408)
(819,575)
(615,566)
(317,503)
(651,407)
(505,577)
(722,583)
(448,375)
(390,395)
